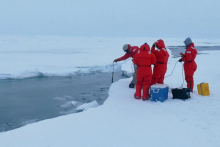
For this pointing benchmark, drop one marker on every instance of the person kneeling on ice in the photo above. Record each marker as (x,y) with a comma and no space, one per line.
(160,67)
(189,62)
(143,60)
(130,52)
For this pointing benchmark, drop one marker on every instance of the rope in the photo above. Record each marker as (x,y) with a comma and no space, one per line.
(113,66)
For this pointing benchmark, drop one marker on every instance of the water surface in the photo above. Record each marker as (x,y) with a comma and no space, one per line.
(34,99)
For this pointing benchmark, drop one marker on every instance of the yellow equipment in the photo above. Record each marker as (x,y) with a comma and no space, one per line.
(203,89)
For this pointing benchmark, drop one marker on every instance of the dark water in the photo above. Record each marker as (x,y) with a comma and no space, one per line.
(34,99)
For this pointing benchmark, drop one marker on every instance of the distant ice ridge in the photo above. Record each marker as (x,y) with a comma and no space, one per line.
(75,71)
(38,56)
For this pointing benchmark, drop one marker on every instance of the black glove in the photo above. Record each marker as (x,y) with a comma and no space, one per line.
(116,60)
(180,60)
(154,45)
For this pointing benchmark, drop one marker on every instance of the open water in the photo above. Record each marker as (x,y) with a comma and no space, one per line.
(30,100)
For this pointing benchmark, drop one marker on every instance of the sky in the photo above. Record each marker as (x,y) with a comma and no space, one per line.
(121,120)
(116,18)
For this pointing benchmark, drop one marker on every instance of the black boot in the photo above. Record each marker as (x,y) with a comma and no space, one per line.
(131,85)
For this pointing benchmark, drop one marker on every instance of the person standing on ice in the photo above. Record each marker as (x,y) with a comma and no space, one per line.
(130,51)
(143,60)
(160,67)
(190,65)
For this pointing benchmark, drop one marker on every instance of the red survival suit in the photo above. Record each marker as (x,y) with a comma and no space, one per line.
(190,65)
(160,67)
(132,51)
(143,59)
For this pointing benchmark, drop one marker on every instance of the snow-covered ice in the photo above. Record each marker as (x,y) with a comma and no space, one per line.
(86,106)
(31,56)
(121,120)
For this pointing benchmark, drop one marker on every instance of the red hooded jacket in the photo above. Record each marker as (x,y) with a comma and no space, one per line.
(144,58)
(189,57)
(160,67)
(132,51)
(161,53)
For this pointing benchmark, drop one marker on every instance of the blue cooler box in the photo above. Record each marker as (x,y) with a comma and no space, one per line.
(159,92)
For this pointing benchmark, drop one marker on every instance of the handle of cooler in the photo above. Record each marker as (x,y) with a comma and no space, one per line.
(156,90)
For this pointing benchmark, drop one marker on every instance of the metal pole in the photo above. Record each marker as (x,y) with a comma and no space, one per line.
(113,72)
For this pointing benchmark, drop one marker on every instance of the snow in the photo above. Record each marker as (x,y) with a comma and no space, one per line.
(121,120)
(86,106)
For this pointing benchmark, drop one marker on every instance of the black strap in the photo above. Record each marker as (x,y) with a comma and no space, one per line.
(144,66)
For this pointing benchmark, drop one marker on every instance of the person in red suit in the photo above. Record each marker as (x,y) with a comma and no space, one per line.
(190,65)
(130,51)
(160,67)
(143,59)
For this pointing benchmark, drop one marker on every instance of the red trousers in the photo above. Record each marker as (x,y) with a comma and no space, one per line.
(159,73)
(189,78)
(143,82)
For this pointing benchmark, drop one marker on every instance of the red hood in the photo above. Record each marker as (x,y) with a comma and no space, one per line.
(160,44)
(145,47)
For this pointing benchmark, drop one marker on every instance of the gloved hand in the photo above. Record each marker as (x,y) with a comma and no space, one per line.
(180,60)
(181,54)
(154,45)
(116,60)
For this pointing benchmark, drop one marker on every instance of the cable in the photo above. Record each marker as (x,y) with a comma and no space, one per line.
(182,77)
(173,70)
(182,74)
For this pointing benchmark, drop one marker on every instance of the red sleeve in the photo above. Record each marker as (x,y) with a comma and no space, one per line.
(157,53)
(152,49)
(188,55)
(153,59)
(126,56)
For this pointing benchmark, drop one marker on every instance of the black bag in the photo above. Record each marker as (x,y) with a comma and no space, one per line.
(183,93)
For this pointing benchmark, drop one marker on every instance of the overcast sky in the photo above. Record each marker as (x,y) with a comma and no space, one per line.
(119,18)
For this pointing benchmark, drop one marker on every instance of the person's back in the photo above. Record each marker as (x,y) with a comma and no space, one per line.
(162,57)
(143,59)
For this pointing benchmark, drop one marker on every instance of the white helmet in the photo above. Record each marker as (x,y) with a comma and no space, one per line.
(125,47)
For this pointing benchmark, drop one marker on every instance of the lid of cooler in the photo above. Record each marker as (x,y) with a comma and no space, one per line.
(159,86)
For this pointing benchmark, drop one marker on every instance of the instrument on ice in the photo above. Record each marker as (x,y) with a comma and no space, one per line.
(113,73)
(203,89)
